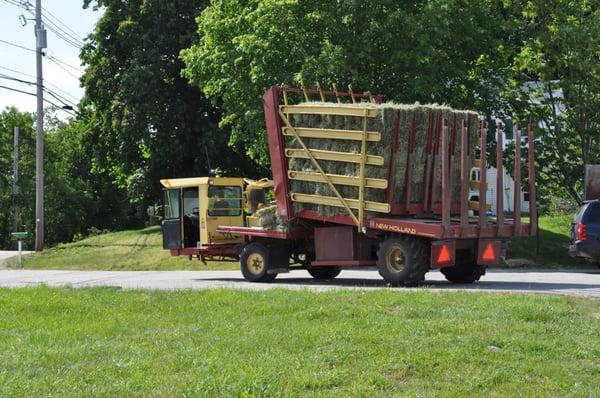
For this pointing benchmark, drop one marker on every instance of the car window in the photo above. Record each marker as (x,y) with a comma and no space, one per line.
(593,213)
(580,213)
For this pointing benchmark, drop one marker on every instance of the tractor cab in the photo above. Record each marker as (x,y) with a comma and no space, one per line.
(193,208)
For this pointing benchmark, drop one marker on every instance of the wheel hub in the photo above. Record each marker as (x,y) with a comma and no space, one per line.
(396,260)
(255,263)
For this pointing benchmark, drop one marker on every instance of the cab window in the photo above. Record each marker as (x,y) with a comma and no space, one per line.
(171,207)
(224,200)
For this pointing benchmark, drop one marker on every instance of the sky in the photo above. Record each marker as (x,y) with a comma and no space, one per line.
(61,66)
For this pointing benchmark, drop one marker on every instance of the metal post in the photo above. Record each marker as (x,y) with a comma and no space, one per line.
(517,188)
(40,35)
(446,192)
(499,182)
(15,186)
(483,177)
(533,218)
(465,173)
(20,257)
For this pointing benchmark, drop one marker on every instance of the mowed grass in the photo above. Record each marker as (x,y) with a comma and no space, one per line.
(554,238)
(125,250)
(106,342)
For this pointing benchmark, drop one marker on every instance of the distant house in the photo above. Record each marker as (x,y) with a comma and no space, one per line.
(509,186)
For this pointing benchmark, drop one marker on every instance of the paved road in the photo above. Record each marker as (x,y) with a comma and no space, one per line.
(576,283)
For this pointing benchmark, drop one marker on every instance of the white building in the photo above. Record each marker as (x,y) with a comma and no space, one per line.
(509,186)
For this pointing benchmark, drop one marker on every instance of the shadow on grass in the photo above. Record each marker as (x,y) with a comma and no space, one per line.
(92,245)
(150,230)
(374,283)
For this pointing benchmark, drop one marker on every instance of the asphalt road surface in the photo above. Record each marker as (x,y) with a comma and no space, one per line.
(585,282)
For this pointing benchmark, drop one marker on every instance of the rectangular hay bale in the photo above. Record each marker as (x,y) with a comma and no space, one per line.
(425,117)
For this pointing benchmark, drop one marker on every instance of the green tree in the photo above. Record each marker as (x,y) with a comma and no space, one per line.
(71,205)
(556,81)
(429,51)
(149,123)
(9,119)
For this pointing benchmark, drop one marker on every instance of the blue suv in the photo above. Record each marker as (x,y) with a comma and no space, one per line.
(585,232)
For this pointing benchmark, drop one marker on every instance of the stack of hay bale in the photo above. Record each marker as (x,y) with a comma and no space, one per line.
(268,219)
(384,123)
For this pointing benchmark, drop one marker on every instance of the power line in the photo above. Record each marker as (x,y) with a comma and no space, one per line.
(62,67)
(52,26)
(64,63)
(46,89)
(76,35)
(3,76)
(14,3)
(61,99)
(17,45)
(56,96)
(55,23)
(47,83)
(62,36)
(17,90)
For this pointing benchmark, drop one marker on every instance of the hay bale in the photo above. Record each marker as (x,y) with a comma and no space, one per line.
(268,219)
(423,115)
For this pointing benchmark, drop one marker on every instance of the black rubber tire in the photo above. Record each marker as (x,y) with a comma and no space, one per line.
(253,256)
(463,273)
(324,272)
(415,260)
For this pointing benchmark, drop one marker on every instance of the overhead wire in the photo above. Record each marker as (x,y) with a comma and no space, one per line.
(17,45)
(63,63)
(46,89)
(46,82)
(71,37)
(75,34)
(52,26)
(34,95)
(55,22)
(62,67)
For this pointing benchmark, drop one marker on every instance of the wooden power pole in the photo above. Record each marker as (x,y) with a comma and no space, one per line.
(40,36)
(15,186)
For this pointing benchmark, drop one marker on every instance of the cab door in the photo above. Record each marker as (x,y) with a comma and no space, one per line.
(171,224)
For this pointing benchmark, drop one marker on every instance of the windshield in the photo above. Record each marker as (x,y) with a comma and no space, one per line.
(224,200)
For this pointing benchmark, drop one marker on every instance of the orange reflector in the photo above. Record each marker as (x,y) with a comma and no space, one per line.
(488,253)
(444,256)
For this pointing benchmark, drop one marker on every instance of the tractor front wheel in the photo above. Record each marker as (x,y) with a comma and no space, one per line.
(324,272)
(254,263)
(403,260)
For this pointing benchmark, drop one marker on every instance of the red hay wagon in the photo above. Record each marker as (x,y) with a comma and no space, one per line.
(409,237)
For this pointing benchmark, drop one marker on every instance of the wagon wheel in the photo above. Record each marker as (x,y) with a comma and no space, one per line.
(254,263)
(403,260)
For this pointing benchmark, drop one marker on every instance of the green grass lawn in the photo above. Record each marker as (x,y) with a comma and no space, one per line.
(107,342)
(125,250)
(142,250)
(554,237)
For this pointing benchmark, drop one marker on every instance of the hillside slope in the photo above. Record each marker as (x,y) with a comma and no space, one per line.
(124,250)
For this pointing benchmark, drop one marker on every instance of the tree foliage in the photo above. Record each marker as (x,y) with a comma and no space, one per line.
(429,51)
(556,81)
(148,123)
(71,203)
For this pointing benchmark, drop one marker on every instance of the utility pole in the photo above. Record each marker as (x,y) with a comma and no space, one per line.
(40,36)
(15,187)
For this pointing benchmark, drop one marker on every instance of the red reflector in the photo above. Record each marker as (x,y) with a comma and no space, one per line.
(444,256)
(488,253)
